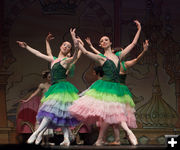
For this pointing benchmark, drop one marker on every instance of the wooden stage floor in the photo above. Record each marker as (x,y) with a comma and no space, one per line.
(81,147)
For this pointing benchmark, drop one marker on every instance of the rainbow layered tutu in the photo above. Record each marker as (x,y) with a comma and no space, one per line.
(56,102)
(105,100)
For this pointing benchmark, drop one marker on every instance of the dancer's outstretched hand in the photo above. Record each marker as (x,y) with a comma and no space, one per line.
(49,37)
(80,41)
(138,24)
(22,44)
(72,31)
(23,101)
(146,45)
(88,40)
(75,40)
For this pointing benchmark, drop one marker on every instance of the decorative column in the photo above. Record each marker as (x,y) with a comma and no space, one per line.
(3,112)
(7,132)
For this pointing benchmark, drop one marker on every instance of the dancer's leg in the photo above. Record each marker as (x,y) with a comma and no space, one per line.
(39,137)
(66,141)
(46,135)
(71,136)
(44,123)
(130,134)
(116,133)
(102,131)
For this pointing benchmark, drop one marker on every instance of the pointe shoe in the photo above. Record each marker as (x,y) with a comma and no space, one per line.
(51,144)
(38,140)
(115,143)
(31,139)
(132,138)
(105,143)
(66,142)
(99,143)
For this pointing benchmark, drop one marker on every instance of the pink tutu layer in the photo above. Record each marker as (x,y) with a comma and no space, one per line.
(89,110)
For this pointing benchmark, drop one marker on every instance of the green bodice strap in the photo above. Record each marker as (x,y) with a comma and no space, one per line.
(118,53)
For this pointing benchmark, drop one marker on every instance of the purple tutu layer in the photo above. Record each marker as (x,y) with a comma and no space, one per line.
(57,121)
(57,112)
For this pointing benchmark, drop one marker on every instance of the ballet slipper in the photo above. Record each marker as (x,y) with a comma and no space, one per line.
(52,144)
(115,143)
(132,138)
(31,139)
(106,143)
(99,143)
(38,139)
(66,142)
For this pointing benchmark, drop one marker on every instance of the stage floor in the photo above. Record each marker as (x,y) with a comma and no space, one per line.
(123,147)
(77,147)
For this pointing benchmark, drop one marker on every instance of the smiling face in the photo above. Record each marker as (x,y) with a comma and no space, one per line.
(105,42)
(65,48)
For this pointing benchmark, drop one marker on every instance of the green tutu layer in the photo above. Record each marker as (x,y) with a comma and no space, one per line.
(110,91)
(62,91)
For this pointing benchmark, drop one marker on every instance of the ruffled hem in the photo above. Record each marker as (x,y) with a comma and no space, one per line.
(57,108)
(56,121)
(57,112)
(89,110)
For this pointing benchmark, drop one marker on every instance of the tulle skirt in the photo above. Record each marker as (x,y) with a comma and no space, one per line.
(108,101)
(56,102)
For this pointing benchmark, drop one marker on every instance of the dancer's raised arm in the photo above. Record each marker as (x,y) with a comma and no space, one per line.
(79,51)
(48,47)
(132,62)
(39,89)
(76,43)
(35,52)
(134,42)
(91,55)
(78,55)
(79,46)
(88,40)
